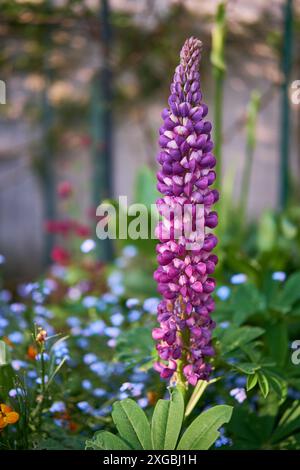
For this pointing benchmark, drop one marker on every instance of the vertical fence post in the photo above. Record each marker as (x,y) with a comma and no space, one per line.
(286,65)
(48,173)
(102,125)
(218,63)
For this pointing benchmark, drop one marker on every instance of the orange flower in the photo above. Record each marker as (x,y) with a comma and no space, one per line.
(7,416)
(32,352)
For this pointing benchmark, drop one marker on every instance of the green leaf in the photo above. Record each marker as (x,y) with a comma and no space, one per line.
(203,431)
(104,440)
(263,384)
(3,354)
(234,338)
(145,187)
(7,379)
(288,295)
(251,381)
(246,301)
(267,232)
(132,424)
(134,346)
(289,423)
(247,367)
(277,341)
(166,422)
(278,384)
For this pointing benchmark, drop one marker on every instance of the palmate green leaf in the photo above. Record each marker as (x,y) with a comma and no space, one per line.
(166,422)
(288,295)
(203,431)
(132,424)
(234,338)
(288,424)
(104,440)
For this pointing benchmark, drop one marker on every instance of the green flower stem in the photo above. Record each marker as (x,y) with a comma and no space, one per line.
(196,395)
(252,112)
(43,372)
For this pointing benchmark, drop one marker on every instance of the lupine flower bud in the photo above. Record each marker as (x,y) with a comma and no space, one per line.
(183,275)
(41,336)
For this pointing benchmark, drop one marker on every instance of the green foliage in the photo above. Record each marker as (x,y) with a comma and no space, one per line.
(135,347)
(166,427)
(167,421)
(132,424)
(203,431)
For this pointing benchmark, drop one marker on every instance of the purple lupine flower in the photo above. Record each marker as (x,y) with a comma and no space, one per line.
(183,275)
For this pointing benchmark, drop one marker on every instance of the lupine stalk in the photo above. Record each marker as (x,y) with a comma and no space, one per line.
(183,275)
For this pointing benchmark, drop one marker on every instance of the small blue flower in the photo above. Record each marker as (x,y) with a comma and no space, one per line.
(99,368)
(32,374)
(3,323)
(143,402)
(73,321)
(89,301)
(130,303)
(238,279)
(99,392)
(46,357)
(224,324)
(58,407)
(2,259)
(150,305)
(39,379)
(109,298)
(134,315)
(74,293)
(239,394)
(42,311)
(223,440)
(112,331)
(82,343)
(38,297)
(16,391)
(223,292)
(89,358)
(117,319)
(16,337)
(85,407)
(129,251)
(86,384)
(279,276)
(5,296)
(17,308)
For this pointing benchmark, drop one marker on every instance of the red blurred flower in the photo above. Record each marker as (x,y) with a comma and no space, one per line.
(82,231)
(60,227)
(60,255)
(64,189)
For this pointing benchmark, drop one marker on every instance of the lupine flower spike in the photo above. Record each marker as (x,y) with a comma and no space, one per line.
(183,275)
